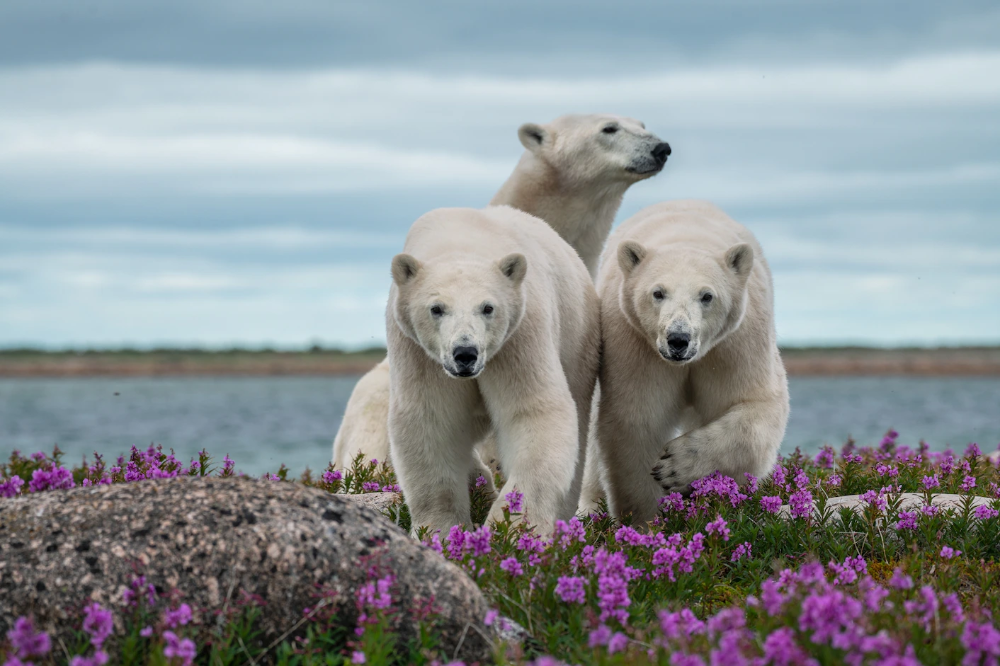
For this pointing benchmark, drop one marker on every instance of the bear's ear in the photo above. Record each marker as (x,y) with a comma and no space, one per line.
(404,268)
(739,259)
(630,255)
(532,136)
(513,267)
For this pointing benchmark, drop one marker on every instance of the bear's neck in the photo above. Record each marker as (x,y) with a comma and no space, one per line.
(581,215)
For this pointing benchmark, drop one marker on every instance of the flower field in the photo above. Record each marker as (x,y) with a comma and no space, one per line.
(759,573)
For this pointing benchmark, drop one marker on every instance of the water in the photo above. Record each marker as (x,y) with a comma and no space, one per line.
(264,422)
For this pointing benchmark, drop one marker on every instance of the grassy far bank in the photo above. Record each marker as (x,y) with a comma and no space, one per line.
(718,577)
(822,361)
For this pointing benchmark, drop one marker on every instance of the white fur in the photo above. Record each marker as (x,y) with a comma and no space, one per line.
(531,383)
(574,178)
(720,404)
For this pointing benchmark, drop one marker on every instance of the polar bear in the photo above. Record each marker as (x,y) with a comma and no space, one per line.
(492,323)
(573,174)
(691,379)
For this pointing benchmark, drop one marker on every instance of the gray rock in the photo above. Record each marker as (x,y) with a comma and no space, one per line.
(379,501)
(908,502)
(213,538)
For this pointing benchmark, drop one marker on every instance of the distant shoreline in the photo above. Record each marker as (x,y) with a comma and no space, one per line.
(843,361)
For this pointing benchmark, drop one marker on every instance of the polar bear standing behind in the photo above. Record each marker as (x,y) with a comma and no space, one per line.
(691,380)
(492,322)
(573,174)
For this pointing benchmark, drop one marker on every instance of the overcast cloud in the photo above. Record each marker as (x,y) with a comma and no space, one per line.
(218,173)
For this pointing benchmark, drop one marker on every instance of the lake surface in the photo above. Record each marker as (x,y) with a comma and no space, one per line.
(263,422)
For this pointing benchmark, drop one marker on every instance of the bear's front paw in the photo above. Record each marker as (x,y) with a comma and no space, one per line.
(675,470)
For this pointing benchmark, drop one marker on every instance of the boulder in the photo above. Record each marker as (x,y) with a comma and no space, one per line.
(908,502)
(212,540)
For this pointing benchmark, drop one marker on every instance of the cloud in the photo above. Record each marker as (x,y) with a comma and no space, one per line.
(146,202)
(113,129)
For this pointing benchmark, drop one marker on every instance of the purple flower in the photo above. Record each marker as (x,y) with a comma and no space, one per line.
(931,482)
(925,608)
(718,526)
(907,520)
(948,552)
(985,513)
(781,649)
(930,510)
(569,532)
(801,503)
(825,458)
(57,478)
(174,618)
(719,485)
(146,632)
(25,641)
(682,623)
(478,541)
(480,481)
(371,486)
(979,641)
(358,657)
(11,486)
(801,479)
(99,658)
(968,483)
(834,481)
(672,502)
(98,623)
(376,594)
(876,500)
(571,589)
(512,566)
(771,504)
(743,550)
(332,476)
(954,606)
(900,581)
(778,476)
(515,501)
(491,617)
(391,488)
(599,636)
(179,648)
(617,643)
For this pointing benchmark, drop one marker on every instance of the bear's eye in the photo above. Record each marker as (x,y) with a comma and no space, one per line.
(437,310)
(706,298)
(487,309)
(610,129)
(658,294)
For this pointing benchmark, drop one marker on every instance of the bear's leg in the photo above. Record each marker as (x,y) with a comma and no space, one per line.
(629,442)
(744,440)
(365,427)
(434,421)
(535,420)
(592,489)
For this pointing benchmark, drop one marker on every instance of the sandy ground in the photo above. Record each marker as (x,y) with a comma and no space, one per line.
(958,361)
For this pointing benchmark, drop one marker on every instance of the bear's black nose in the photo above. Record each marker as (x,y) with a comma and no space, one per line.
(678,342)
(661,152)
(465,357)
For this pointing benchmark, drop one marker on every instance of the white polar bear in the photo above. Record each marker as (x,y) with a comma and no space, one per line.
(492,322)
(573,174)
(691,379)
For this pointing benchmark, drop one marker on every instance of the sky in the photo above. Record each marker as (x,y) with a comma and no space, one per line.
(241,172)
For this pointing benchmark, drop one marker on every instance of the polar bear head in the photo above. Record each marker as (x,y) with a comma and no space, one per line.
(459,311)
(684,302)
(583,149)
